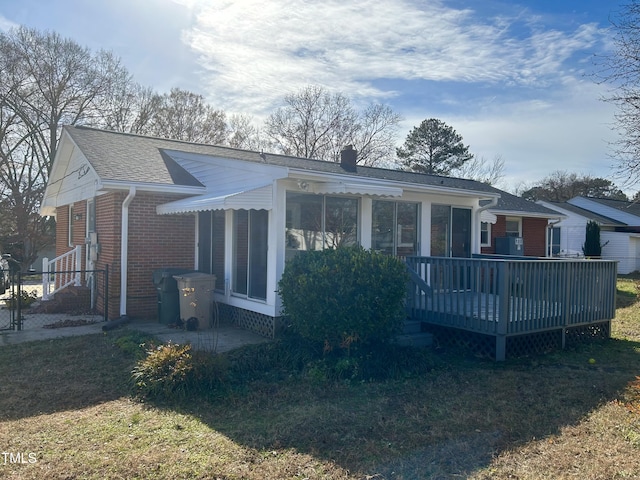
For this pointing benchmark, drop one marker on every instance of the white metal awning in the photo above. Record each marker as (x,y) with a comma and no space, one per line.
(487,217)
(357,189)
(259,198)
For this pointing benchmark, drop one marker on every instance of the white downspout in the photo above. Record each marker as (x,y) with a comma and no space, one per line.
(550,225)
(491,204)
(124,250)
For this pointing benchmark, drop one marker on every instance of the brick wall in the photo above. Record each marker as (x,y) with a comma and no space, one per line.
(155,241)
(534,231)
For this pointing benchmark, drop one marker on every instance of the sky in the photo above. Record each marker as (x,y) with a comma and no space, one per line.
(512,77)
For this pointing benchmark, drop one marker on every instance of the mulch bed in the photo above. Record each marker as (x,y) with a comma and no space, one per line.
(69,323)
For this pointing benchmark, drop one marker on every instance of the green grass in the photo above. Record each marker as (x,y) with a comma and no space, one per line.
(555,416)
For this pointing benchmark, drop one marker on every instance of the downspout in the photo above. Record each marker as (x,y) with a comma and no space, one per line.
(491,204)
(550,225)
(124,250)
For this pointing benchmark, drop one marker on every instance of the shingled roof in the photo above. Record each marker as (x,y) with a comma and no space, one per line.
(135,158)
(131,158)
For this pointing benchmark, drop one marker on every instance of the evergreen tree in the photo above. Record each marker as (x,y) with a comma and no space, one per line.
(433,148)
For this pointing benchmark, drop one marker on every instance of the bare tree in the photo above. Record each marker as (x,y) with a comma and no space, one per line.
(482,170)
(243,133)
(622,70)
(46,81)
(561,186)
(314,123)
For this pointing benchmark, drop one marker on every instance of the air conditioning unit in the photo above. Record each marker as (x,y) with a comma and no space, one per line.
(510,246)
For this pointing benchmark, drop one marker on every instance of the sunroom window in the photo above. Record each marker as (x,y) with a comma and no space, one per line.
(315,222)
(394,227)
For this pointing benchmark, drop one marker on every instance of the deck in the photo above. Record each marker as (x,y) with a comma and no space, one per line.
(504,298)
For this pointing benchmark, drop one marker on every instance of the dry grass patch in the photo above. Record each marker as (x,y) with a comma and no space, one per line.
(556,416)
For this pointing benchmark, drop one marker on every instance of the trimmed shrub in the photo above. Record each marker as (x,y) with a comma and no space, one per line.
(345,297)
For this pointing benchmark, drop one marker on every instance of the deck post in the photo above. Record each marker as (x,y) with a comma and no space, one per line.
(566,301)
(503,311)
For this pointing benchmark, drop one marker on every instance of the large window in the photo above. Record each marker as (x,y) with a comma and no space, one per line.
(315,222)
(250,236)
(211,234)
(249,250)
(394,227)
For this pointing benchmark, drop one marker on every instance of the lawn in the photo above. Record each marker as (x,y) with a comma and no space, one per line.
(66,411)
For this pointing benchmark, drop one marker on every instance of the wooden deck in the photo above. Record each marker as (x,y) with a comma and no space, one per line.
(504,297)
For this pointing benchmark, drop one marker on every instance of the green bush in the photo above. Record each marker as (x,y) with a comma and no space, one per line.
(344,298)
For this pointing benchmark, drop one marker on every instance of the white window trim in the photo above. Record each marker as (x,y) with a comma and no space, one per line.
(488,243)
(515,219)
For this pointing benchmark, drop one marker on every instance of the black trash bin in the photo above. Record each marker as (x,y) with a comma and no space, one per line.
(168,296)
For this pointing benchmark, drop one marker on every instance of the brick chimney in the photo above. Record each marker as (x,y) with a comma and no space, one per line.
(348,157)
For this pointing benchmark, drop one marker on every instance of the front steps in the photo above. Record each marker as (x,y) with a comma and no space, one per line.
(413,336)
(71,300)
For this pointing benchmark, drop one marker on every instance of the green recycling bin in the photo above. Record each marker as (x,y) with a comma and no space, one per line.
(168,296)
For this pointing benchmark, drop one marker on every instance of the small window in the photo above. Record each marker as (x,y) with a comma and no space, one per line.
(485,234)
(513,227)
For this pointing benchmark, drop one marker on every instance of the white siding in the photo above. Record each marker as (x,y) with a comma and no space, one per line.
(622,247)
(572,231)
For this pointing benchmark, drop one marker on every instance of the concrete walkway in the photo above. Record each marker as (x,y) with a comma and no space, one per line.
(220,339)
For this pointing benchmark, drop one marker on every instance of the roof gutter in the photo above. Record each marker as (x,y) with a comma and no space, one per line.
(492,203)
(124,250)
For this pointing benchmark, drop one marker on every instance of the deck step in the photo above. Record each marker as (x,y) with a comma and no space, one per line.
(412,326)
(422,339)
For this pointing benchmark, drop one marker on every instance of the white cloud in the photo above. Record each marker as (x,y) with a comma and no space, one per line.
(6,24)
(253,52)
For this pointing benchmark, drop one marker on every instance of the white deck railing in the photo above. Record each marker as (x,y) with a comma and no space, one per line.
(61,272)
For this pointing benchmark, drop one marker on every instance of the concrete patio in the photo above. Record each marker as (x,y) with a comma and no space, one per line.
(220,339)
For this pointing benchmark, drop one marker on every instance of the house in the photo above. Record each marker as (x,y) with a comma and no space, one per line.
(138,204)
(619,223)
(516,226)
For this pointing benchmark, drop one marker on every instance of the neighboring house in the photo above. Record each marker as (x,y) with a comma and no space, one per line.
(516,226)
(138,204)
(619,223)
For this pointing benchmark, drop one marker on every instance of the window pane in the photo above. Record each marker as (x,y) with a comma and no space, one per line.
(407,230)
(204,242)
(91,215)
(258,229)
(461,232)
(304,221)
(512,227)
(484,233)
(440,218)
(217,247)
(382,227)
(341,222)
(240,250)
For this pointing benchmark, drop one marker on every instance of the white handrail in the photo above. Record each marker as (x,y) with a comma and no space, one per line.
(61,272)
